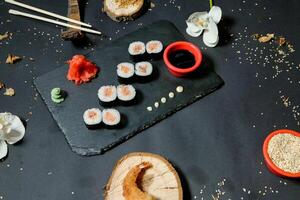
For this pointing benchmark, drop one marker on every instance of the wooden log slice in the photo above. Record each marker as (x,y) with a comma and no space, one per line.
(161,180)
(123,10)
(73,13)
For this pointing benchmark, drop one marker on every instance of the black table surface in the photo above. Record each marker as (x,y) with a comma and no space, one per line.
(217,138)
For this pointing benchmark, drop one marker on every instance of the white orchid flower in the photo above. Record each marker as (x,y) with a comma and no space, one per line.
(196,23)
(206,23)
(12,130)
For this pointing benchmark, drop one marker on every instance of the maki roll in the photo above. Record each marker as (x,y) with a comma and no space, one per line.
(126,94)
(137,51)
(125,72)
(107,95)
(92,118)
(154,49)
(111,118)
(143,71)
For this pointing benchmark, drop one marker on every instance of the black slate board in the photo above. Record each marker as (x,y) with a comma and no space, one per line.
(68,114)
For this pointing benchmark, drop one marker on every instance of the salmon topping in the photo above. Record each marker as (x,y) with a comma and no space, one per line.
(92,115)
(137,48)
(125,91)
(108,91)
(143,68)
(124,69)
(152,46)
(110,117)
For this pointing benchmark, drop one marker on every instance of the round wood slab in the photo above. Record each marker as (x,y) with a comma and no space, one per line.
(160,181)
(118,12)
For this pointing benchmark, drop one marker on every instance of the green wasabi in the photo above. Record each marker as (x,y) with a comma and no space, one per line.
(57,95)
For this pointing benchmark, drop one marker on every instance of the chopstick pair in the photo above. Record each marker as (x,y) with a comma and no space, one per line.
(15,12)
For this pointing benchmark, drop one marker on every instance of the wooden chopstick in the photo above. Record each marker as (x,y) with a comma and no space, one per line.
(15,12)
(47,12)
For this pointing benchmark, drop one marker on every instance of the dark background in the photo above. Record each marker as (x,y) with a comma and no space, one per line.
(216,138)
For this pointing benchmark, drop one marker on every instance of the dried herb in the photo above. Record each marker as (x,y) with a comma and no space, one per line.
(2,85)
(12,59)
(4,36)
(266,38)
(9,92)
(281,41)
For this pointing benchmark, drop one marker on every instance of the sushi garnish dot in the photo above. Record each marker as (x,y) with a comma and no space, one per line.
(171,95)
(149,108)
(163,100)
(156,104)
(179,89)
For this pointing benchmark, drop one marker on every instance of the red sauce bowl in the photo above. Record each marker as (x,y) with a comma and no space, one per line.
(269,163)
(182,45)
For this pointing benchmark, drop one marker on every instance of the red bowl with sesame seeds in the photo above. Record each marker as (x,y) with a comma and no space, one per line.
(268,161)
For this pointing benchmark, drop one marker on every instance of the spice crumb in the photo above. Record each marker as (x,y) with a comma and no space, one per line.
(152,5)
(281,41)
(9,92)
(264,38)
(12,59)
(1,85)
(4,36)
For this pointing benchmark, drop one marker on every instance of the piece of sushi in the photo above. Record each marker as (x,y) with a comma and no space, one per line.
(143,71)
(125,72)
(137,51)
(126,94)
(154,49)
(92,118)
(107,95)
(111,118)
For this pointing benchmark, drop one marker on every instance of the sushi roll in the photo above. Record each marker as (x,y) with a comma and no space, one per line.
(154,49)
(107,95)
(137,51)
(126,94)
(111,118)
(125,72)
(143,71)
(92,118)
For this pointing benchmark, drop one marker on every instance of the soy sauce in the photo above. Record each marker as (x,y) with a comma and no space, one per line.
(182,59)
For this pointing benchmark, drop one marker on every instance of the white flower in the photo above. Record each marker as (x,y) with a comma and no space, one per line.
(206,23)
(12,130)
